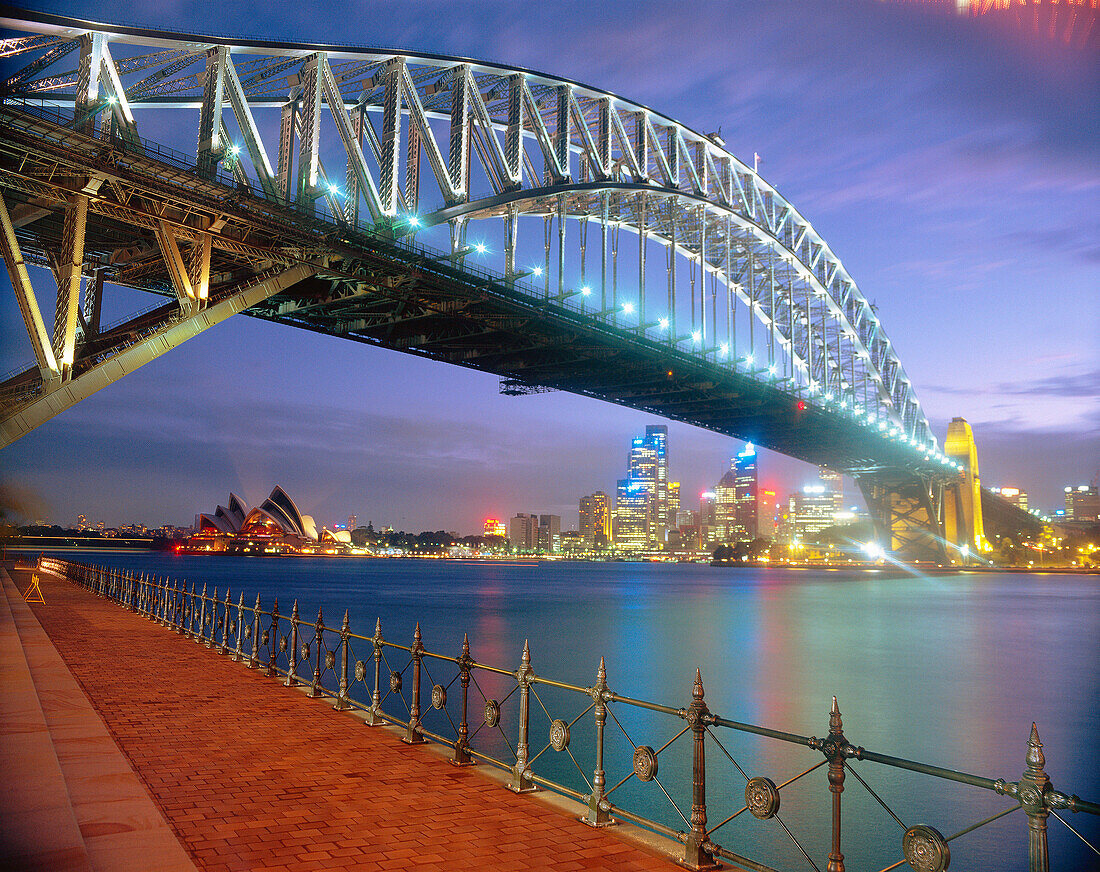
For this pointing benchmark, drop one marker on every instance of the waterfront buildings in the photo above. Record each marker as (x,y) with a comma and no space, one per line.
(1014,495)
(1082,502)
(523,531)
(595,519)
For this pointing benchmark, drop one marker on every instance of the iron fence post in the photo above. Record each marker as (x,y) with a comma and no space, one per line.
(461,756)
(374,713)
(597,815)
(254,660)
(211,621)
(202,616)
(273,634)
(240,626)
(834,751)
(413,735)
(1034,793)
(292,663)
(696,855)
(319,627)
(226,606)
(342,703)
(192,612)
(520,781)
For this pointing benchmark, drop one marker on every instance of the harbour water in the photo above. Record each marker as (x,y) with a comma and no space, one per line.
(949,670)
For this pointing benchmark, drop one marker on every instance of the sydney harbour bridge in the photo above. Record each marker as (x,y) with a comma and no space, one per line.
(551,233)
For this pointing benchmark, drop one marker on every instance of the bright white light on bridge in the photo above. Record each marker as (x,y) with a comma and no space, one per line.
(234,150)
(628,308)
(335,191)
(537,271)
(480,248)
(748,359)
(586,291)
(828,397)
(873,550)
(414,221)
(725,349)
(664,323)
(771,370)
(112,99)
(696,337)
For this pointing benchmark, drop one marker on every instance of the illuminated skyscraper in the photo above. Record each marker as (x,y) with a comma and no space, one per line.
(1014,495)
(632,515)
(735,499)
(810,512)
(834,485)
(673,503)
(1082,503)
(595,518)
(747,509)
(708,518)
(656,436)
(550,533)
(647,466)
(725,507)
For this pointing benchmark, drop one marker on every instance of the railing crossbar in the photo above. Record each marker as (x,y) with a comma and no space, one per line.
(1092,847)
(878,799)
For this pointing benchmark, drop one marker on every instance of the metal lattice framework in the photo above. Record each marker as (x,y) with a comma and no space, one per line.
(534,176)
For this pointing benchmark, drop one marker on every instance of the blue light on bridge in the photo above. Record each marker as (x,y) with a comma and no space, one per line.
(628,308)
(537,271)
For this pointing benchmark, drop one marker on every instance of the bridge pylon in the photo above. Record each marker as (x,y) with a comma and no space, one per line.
(963,522)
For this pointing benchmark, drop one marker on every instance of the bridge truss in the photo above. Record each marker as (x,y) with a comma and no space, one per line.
(549,232)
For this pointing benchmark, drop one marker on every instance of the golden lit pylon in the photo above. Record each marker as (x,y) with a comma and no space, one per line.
(963,501)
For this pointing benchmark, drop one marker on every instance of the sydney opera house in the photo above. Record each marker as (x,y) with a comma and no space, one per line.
(273,527)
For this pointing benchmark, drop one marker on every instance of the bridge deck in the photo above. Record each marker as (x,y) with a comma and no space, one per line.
(253,775)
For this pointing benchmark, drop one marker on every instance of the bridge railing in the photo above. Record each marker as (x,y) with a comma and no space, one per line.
(529,725)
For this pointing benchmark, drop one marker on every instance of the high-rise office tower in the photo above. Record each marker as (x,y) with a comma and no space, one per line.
(523,530)
(656,435)
(647,463)
(673,503)
(744,466)
(632,514)
(1082,502)
(550,533)
(595,518)
(834,485)
(708,518)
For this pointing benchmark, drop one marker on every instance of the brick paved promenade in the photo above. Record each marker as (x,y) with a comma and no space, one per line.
(251,775)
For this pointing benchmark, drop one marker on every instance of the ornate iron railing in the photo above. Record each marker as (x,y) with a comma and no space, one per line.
(388,686)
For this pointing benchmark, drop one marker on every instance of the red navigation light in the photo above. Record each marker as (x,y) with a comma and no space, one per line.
(801,405)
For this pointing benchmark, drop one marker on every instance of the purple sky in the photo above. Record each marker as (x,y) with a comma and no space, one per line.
(951,163)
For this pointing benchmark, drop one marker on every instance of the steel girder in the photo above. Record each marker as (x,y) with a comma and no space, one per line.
(498,142)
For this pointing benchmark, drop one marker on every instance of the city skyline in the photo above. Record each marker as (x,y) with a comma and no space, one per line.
(921,194)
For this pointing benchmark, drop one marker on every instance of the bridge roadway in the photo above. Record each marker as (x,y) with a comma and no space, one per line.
(249,774)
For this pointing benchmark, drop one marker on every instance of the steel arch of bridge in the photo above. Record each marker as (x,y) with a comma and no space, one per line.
(426,141)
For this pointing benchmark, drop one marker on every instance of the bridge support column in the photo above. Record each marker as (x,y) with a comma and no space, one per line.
(907,514)
(964,525)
